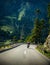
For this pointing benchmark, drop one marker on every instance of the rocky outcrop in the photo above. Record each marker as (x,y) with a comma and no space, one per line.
(47,43)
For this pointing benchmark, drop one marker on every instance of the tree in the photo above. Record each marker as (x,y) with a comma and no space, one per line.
(44,31)
(37,12)
(36,31)
(39,32)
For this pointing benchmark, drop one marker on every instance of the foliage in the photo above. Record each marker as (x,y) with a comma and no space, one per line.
(19,41)
(43,50)
(39,32)
(37,35)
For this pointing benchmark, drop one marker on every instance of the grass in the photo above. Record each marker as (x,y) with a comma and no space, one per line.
(41,49)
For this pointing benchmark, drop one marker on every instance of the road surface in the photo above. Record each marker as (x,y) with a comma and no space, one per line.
(22,55)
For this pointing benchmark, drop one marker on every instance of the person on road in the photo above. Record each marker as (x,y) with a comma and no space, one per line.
(28,44)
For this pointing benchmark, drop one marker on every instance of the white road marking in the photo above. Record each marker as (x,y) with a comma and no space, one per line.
(25,52)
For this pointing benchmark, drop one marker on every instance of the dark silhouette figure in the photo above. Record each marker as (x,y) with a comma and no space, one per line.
(28,44)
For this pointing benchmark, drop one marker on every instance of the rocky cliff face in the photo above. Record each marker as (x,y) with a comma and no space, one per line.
(47,43)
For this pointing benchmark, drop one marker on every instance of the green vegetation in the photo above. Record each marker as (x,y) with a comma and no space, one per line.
(7,28)
(7,42)
(19,41)
(43,50)
(5,45)
(38,34)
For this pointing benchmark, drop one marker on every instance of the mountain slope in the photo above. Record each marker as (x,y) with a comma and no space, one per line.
(18,16)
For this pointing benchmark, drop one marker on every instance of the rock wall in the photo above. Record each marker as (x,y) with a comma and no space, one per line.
(47,43)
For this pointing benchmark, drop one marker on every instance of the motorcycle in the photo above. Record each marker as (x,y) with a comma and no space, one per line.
(28,45)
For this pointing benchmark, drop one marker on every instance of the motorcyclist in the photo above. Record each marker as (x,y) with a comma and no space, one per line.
(28,44)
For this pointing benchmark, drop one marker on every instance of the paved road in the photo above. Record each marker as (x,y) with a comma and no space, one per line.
(23,56)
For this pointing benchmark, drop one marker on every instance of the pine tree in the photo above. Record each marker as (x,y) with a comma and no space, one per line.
(39,31)
(35,36)
(36,31)
(37,12)
(43,28)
